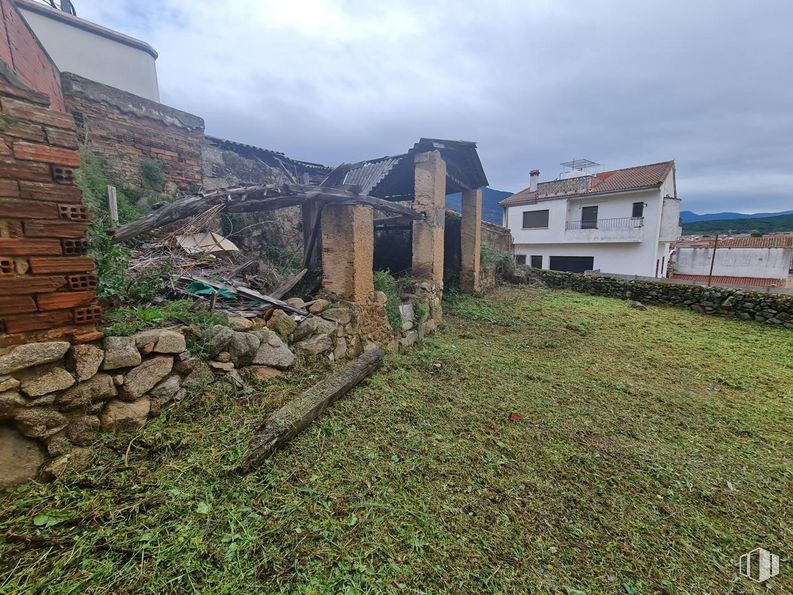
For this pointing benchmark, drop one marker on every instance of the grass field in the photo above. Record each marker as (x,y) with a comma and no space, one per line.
(653,448)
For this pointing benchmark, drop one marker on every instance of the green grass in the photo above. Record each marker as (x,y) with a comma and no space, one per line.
(654,448)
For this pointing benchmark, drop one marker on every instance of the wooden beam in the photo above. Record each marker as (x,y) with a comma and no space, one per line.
(298,413)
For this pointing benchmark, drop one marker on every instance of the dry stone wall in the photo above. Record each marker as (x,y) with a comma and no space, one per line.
(772,309)
(56,397)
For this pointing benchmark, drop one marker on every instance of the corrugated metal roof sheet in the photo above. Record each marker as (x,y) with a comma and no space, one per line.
(369,174)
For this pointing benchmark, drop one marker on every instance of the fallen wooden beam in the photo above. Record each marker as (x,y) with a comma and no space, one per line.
(295,416)
(288,285)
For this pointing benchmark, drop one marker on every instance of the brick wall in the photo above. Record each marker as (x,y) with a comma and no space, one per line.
(23,54)
(127,130)
(46,281)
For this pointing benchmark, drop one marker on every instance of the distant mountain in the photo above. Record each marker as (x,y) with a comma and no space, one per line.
(690,216)
(745,225)
(491,212)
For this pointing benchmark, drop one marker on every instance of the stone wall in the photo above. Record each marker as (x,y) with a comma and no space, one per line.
(128,130)
(56,397)
(747,305)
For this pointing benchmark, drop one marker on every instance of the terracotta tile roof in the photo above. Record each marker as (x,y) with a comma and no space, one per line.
(772,241)
(619,180)
(733,281)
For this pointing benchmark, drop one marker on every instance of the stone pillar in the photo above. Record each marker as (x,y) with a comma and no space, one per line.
(348,251)
(471,240)
(430,199)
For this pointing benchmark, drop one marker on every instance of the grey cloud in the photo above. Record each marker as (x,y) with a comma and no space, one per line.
(708,83)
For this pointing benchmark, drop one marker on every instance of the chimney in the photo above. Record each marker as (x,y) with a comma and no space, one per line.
(534,177)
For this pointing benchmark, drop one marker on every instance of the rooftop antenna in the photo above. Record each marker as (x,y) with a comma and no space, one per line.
(579,164)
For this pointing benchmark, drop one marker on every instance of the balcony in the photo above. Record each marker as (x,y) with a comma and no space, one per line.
(618,229)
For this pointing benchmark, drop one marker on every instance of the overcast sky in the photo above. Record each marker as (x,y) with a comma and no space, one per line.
(708,83)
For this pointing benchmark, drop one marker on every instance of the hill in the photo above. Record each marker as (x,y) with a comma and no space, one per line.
(491,212)
(691,216)
(745,225)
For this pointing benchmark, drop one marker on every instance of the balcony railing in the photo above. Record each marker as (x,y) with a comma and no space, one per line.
(614,223)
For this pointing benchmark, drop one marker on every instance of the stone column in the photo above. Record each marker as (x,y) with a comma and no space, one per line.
(430,199)
(348,251)
(471,240)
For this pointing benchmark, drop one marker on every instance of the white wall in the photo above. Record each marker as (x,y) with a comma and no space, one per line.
(627,251)
(773,263)
(75,48)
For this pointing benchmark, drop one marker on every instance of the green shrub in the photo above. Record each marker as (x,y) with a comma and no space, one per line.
(152,174)
(394,290)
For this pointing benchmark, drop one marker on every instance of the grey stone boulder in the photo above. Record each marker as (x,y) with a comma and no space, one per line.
(119,416)
(47,382)
(39,423)
(20,457)
(83,429)
(314,325)
(221,336)
(58,445)
(316,344)
(272,351)
(221,366)
(340,315)
(282,323)
(165,391)
(340,351)
(8,383)
(97,389)
(242,348)
(86,360)
(239,324)
(120,352)
(160,341)
(77,458)
(146,376)
(10,402)
(318,306)
(262,373)
(200,376)
(407,315)
(32,354)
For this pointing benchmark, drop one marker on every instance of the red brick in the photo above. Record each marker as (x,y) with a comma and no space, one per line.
(62,138)
(23,247)
(65,299)
(45,154)
(55,229)
(37,322)
(56,192)
(40,115)
(25,170)
(65,264)
(26,285)
(9,188)
(17,305)
(19,129)
(17,207)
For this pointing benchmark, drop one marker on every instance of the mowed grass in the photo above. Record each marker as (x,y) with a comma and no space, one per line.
(653,448)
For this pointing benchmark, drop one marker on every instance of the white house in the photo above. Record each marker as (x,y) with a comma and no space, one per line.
(621,221)
(92,51)
(741,261)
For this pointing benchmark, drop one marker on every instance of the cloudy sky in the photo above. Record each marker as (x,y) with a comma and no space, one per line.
(708,83)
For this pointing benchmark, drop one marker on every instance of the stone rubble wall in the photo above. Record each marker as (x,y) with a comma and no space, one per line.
(773,309)
(56,397)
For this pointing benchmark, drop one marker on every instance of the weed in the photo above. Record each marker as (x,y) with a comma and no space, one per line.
(393,289)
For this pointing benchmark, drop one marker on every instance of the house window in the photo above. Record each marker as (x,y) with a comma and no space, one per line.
(638,209)
(536,262)
(535,219)
(520,259)
(572,264)
(589,217)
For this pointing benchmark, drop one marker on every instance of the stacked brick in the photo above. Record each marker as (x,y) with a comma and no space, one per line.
(127,130)
(47,282)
